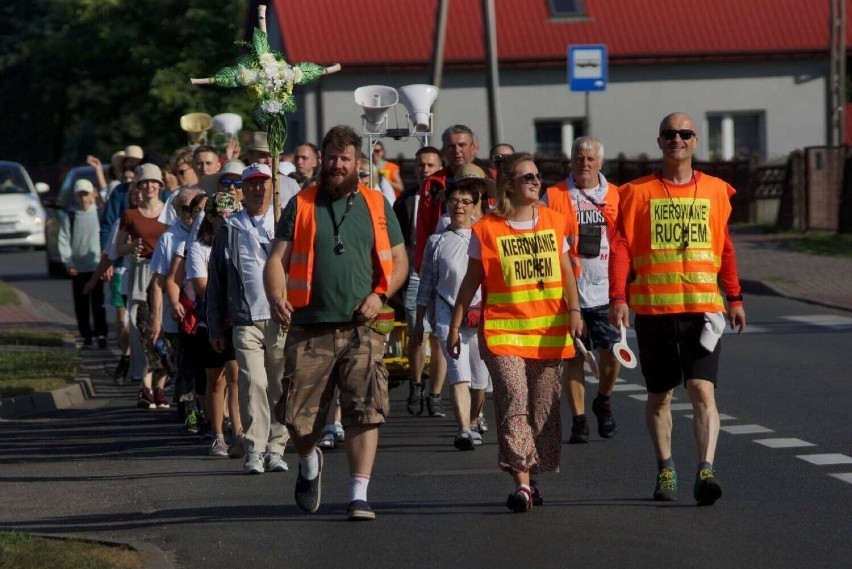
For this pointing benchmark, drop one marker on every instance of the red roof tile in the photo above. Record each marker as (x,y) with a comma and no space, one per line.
(399,32)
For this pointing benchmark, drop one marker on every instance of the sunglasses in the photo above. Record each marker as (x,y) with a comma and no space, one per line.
(363,174)
(670,134)
(529,177)
(182,172)
(227,182)
(452,202)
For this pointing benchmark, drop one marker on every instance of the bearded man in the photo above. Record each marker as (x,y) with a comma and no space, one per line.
(342,251)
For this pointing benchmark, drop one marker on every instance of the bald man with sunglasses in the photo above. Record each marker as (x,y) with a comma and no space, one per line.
(670,251)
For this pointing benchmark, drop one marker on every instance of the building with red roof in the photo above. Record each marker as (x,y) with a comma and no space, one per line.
(754,74)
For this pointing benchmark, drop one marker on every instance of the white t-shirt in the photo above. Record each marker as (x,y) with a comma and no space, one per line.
(255,242)
(170,241)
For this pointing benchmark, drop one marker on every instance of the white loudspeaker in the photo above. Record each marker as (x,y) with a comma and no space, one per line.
(228,124)
(375,100)
(418,100)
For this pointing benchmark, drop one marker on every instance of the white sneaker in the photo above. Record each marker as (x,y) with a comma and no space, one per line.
(253,464)
(274,462)
(219,447)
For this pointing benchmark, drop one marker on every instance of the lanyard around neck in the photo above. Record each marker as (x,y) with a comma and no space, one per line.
(338,242)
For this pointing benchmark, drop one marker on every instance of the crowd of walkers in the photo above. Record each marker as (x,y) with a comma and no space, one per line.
(267,327)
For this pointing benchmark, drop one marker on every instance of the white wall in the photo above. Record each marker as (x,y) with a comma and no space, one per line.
(791,93)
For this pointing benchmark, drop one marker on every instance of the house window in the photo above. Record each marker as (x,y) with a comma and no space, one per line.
(566,8)
(554,137)
(736,135)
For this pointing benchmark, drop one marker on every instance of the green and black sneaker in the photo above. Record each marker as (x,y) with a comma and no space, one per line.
(666,488)
(707,489)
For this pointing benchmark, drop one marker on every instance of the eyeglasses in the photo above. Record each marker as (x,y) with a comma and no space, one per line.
(529,177)
(670,134)
(452,202)
(182,172)
(227,182)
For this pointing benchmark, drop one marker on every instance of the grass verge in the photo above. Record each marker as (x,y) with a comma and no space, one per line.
(16,337)
(26,372)
(8,295)
(24,551)
(819,243)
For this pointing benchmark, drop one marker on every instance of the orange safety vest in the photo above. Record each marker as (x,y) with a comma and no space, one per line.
(559,198)
(387,172)
(675,243)
(301,269)
(525,313)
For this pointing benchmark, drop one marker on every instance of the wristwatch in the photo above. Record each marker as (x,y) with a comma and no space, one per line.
(382,296)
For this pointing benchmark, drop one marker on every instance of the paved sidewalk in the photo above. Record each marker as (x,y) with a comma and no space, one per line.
(764,266)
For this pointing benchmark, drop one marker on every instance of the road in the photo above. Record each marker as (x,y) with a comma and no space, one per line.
(112,471)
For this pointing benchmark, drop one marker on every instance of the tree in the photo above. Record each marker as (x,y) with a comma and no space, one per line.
(92,76)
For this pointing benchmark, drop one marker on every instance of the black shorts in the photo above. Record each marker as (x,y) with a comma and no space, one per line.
(212,358)
(670,352)
(599,332)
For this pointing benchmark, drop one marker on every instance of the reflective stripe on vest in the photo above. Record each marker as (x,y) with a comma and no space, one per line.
(524,313)
(304,234)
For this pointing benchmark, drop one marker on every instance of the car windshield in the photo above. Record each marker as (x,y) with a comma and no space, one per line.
(12,181)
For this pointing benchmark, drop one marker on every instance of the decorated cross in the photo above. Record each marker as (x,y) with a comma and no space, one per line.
(269,80)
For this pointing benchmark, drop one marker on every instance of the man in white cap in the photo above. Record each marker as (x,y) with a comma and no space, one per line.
(235,292)
(79,249)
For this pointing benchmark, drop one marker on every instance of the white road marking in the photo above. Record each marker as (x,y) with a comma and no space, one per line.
(629,387)
(745,429)
(824,320)
(823,459)
(844,476)
(722,417)
(681,406)
(640,396)
(784,443)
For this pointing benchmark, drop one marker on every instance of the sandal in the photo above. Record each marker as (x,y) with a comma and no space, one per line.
(520,501)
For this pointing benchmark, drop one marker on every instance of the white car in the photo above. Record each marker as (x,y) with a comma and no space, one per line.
(22,216)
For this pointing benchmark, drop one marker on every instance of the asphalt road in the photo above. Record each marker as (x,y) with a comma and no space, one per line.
(112,471)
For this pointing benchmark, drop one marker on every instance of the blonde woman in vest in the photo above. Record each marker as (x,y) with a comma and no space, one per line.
(519,255)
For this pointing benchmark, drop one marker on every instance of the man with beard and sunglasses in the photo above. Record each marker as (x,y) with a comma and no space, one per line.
(670,251)
(342,251)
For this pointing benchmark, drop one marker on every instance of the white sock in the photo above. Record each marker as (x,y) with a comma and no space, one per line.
(358,484)
(310,466)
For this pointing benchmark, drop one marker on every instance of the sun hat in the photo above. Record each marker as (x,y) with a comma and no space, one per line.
(148,172)
(259,141)
(83,186)
(471,173)
(231,168)
(257,171)
(134,151)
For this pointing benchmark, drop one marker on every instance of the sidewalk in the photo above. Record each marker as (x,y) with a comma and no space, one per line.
(764,266)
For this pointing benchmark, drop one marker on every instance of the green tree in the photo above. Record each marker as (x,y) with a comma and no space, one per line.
(91,76)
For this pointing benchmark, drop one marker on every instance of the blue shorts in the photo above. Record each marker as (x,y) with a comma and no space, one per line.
(411,305)
(600,333)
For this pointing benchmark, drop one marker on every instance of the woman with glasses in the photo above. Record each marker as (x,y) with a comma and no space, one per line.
(444,264)
(220,369)
(519,255)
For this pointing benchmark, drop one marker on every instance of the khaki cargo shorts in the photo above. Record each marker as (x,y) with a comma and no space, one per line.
(318,359)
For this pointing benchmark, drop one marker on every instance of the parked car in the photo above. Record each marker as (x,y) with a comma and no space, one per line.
(64,202)
(22,217)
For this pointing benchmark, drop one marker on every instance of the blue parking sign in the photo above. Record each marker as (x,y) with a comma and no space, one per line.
(587,67)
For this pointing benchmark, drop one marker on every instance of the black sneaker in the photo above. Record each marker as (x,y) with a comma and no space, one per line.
(666,488)
(415,399)
(606,420)
(121,370)
(308,492)
(707,489)
(579,431)
(536,495)
(102,342)
(435,406)
(360,511)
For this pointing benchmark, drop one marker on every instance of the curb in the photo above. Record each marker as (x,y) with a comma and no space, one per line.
(152,556)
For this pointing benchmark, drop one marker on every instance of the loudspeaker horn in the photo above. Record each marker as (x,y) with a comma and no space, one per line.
(418,100)
(196,126)
(375,100)
(228,124)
